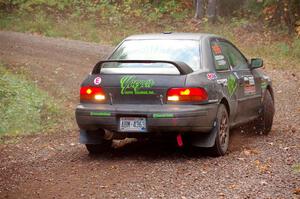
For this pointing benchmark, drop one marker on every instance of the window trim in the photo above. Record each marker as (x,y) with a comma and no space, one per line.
(215,39)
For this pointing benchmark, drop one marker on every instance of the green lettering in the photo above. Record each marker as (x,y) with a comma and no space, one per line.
(100,114)
(132,85)
(163,115)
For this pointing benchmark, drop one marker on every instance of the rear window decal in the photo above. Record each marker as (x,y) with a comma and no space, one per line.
(223,67)
(97,80)
(130,85)
(219,57)
(217,49)
(221,62)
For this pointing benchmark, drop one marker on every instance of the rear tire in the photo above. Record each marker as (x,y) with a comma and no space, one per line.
(103,142)
(263,124)
(222,139)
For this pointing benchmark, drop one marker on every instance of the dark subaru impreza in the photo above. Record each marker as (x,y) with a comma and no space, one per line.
(190,87)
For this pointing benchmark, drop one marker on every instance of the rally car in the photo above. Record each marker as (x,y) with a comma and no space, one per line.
(189,87)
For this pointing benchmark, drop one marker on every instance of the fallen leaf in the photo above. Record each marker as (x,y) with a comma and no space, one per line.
(297,191)
(233,186)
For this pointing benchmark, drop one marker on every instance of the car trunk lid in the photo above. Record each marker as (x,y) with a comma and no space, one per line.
(140,89)
(125,86)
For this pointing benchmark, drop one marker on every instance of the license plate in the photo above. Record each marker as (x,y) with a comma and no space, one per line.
(132,124)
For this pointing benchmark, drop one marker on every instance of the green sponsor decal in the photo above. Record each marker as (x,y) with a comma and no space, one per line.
(163,115)
(100,114)
(264,85)
(130,85)
(232,84)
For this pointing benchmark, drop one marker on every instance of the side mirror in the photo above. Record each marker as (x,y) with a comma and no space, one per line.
(256,63)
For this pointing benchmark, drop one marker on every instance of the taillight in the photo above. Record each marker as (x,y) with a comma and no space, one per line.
(89,93)
(187,94)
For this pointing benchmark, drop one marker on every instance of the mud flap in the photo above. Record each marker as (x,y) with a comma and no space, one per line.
(93,137)
(205,140)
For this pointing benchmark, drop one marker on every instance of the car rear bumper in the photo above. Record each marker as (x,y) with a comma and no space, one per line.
(159,118)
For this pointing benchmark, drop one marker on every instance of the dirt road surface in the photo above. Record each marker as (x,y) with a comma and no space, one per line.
(56,166)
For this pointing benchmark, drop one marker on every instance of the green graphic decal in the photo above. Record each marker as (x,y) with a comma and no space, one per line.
(232,84)
(163,115)
(130,85)
(100,114)
(264,85)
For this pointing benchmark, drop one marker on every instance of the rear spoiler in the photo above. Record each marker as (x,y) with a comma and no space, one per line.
(182,67)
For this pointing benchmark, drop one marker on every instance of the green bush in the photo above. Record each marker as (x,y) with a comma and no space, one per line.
(296,48)
(292,50)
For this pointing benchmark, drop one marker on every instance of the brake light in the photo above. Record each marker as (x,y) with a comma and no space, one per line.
(187,94)
(88,93)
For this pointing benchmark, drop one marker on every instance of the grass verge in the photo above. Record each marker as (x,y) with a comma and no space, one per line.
(296,168)
(24,108)
(277,48)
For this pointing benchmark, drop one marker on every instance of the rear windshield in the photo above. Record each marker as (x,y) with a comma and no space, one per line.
(186,51)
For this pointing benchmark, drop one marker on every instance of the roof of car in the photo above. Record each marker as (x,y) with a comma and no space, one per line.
(171,35)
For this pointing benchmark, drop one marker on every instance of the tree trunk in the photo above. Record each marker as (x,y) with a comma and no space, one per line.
(291,19)
(199,9)
(212,10)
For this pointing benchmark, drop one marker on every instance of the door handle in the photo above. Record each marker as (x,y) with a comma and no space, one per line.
(241,82)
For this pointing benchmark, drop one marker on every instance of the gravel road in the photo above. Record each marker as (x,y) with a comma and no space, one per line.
(56,166)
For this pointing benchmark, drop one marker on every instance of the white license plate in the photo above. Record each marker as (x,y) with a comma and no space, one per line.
(132,124)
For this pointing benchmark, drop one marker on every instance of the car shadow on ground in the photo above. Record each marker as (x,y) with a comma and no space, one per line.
(241,138)
(144,150)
